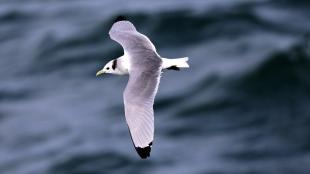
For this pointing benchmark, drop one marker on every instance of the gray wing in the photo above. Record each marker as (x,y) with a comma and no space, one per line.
(138,101)
(139,98)
(144,76)
(131,40)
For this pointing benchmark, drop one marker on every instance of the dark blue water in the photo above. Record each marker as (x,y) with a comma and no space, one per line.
(242,108)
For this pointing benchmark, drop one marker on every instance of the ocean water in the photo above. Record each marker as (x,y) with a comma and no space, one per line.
(243,107)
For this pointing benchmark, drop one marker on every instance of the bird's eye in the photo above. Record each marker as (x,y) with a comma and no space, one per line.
(108,68)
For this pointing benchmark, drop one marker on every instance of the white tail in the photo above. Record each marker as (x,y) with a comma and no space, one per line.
(175,63)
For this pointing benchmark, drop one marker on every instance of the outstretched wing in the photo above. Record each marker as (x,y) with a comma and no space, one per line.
(144,76)
(138,101)
(125,33)
(139,98)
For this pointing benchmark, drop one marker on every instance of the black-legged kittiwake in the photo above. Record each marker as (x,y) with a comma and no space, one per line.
(144,66)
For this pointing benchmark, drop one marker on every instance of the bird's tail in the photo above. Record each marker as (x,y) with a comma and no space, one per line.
(175,64)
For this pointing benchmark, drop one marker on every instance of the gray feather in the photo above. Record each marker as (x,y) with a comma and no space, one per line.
(144,77)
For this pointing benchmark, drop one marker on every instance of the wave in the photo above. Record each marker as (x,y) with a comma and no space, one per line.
(282,72)
(164,27)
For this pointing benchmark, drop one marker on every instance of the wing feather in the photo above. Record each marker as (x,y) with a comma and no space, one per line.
(144,77)
(138,101)
(131,40)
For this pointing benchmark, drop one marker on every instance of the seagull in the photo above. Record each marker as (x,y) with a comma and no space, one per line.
(144,66)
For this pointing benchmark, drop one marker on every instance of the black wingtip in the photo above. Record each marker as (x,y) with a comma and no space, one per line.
(144,152)
(120,18)
(174,67)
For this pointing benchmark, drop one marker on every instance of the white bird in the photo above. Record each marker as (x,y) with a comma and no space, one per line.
(144,66)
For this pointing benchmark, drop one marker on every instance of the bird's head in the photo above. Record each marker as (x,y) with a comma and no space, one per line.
(110,68)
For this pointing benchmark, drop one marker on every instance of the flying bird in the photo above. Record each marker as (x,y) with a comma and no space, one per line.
(144,66)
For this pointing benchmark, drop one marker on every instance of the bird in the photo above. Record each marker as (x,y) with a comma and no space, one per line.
(144,66)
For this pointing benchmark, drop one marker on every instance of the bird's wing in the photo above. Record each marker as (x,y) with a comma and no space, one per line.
(138,101)
(139,98)
(144,76)
(125,33)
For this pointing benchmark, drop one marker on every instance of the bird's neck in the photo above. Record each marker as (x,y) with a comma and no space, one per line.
(123,65)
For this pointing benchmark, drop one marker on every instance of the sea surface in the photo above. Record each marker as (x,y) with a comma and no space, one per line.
(243,106)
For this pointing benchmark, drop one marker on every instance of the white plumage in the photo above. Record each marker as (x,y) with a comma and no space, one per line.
(144,66)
